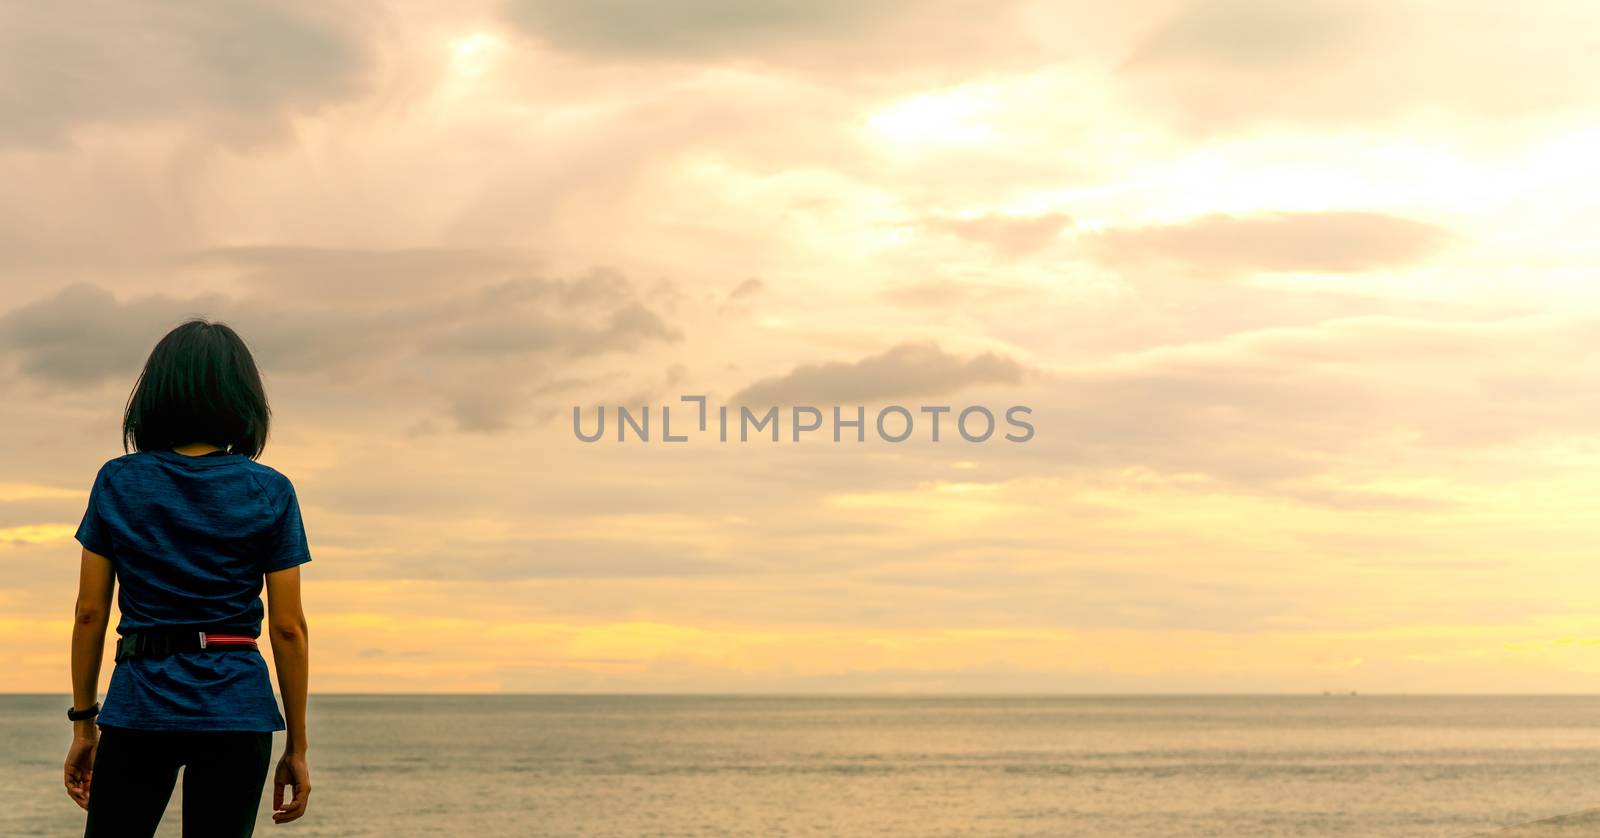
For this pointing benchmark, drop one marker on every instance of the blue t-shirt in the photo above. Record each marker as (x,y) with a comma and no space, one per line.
(190,539)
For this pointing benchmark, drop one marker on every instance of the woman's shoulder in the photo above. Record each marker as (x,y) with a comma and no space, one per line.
(273,484)
(264,470)
(112,467)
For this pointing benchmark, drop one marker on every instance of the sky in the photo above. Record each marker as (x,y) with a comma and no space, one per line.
(1301,298)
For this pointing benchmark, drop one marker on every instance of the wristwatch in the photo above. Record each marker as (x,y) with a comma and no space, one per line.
(80,715)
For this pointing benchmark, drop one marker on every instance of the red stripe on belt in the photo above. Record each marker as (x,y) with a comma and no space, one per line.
(230,638)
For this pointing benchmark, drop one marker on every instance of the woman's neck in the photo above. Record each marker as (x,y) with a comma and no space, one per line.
(194,449)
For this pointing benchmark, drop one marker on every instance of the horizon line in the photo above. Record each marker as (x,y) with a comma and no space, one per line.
(931,694)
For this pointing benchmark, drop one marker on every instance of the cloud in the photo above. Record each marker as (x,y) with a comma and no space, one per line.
(1254,33)
(1009,236)
(1284,411)
(236,67)
(83,334)
(1228,65)
(748,288)
(907,370)
(696,27)
(592,314)
(1221,245)
(486,348)
(740,299)
(924,39)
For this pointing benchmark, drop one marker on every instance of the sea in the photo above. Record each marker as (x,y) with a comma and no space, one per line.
(893,765)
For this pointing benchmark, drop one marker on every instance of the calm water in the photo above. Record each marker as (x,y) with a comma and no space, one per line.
(893,766)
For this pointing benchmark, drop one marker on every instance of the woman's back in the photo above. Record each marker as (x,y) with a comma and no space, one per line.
(190,538)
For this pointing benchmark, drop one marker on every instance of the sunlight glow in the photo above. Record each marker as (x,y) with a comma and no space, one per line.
(949,118)
(472,56)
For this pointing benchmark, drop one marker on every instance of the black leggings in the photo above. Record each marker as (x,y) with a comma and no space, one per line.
(136,770)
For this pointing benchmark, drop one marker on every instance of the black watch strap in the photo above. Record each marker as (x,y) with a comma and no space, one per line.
(79,715)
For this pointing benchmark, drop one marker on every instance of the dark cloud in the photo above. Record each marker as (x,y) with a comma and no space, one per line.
(1222,245)
(1009,236)
(1254,33)
(83,334)
(486,350)
(694,27)
(923,39)
(590,315)
(908,370)
(236,67)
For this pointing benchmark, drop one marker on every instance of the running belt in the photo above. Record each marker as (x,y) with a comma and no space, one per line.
(155,643)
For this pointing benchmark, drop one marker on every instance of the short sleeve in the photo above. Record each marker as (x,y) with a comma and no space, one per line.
(288,546)
(93,531)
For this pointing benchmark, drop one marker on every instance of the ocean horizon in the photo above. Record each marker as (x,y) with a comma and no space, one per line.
(705,764)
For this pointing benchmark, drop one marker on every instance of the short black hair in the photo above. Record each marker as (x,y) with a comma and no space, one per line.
(200,385)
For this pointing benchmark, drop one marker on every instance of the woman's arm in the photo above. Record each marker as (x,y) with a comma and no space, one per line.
(287,629)
(90,617)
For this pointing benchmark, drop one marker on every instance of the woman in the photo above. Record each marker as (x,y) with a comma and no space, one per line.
(190,525)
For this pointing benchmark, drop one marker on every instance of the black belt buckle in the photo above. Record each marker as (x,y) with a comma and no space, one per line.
(144,645)
(156,645)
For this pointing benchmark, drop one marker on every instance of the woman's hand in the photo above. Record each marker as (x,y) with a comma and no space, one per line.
(292,771)
(80,766)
